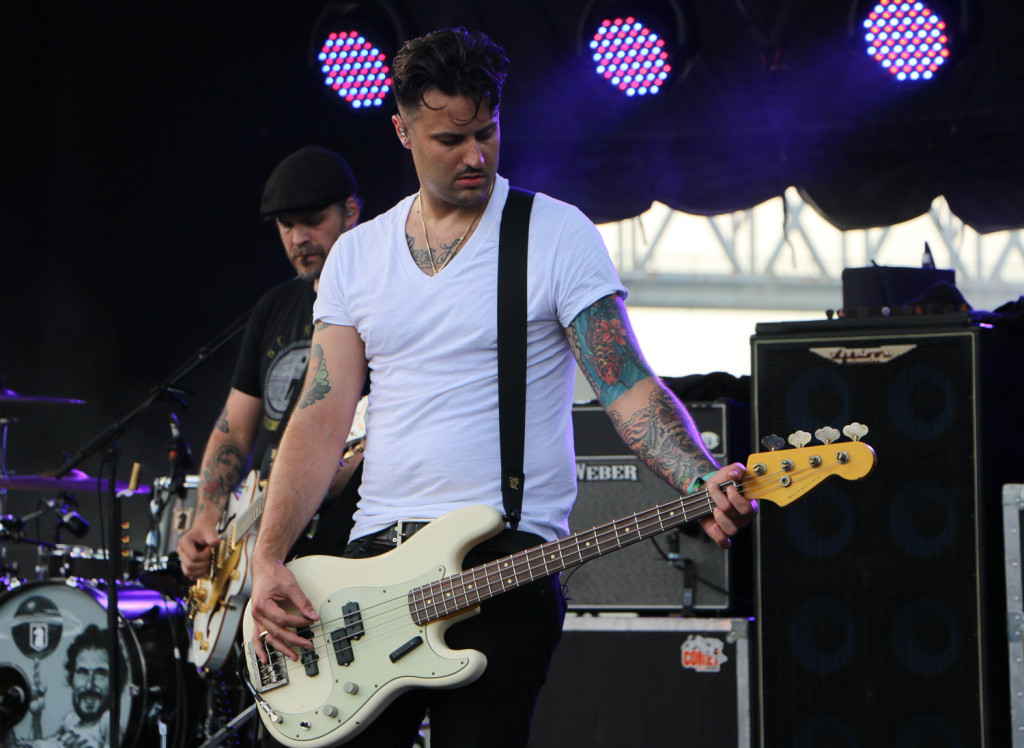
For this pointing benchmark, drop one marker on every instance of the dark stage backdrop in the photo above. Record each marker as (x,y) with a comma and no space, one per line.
(137,140)
(136,137)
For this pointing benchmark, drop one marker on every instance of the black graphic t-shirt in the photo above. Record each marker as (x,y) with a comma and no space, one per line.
(272,360)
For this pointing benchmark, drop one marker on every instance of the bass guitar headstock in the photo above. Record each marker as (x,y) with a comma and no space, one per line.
(784,475)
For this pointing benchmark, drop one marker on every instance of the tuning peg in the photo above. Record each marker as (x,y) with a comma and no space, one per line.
(799,439)
(772,442)
(855,431)
(826,434)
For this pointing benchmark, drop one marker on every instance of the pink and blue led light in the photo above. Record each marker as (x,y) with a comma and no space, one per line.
(630,56)
(355,69)
(907,39)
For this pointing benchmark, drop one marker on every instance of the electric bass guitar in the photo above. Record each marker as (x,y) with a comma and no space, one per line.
(216,602)
(382,633)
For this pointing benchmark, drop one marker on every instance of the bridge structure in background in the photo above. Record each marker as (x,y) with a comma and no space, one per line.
(783,255)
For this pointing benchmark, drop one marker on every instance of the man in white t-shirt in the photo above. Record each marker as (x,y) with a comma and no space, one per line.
(422,319)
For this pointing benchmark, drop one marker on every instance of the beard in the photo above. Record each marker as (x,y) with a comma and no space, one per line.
(90,705)
(308,273)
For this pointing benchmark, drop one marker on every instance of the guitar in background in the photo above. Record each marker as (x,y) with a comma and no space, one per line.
(217,601)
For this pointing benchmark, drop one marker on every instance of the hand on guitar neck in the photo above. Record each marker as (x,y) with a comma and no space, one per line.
(732,511)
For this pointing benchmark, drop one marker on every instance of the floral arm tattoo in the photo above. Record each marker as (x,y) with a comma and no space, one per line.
(606,349)
(317,385)
(659,431)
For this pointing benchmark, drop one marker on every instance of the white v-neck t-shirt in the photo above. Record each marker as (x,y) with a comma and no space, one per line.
(431,344)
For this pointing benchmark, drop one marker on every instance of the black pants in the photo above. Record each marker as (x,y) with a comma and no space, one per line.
(518,631)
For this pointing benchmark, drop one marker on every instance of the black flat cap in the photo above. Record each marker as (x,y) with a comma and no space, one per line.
(309,179)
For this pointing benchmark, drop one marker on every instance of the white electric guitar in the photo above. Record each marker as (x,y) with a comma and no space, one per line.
(383,632)
(216,602)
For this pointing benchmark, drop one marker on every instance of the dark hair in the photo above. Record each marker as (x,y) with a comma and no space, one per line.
(92,638)
(454,61)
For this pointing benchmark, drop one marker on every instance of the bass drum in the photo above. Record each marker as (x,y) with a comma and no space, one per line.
(56,633)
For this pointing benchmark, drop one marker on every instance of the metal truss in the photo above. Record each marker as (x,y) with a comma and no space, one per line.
(783,255)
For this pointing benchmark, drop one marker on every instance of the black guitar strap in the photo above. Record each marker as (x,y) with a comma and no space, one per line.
(512,258)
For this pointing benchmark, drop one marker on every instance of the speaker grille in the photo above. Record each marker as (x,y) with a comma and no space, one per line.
(612,483)
(868,593)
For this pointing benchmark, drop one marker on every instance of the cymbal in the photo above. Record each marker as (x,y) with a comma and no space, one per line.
(76,480)
(10,396)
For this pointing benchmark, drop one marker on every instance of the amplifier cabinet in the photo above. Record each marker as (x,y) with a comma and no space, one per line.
(1013,507)
(881,603)
(612,483)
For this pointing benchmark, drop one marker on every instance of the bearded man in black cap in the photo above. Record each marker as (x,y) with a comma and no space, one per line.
(311,197)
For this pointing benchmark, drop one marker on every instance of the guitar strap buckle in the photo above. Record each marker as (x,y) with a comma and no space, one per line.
(399,533)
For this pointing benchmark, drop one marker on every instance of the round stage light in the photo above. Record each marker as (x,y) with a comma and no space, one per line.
(630,56)
(355,69)
(907,39)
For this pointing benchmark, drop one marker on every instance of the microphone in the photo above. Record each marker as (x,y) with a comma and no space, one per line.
(179,453)
(11,527)
(70,519)
(14,696)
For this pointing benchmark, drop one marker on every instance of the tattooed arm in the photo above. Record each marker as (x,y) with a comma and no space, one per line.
(649,418)
(306,462)
(224,462)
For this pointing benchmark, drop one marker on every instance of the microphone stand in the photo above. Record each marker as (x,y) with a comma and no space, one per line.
(106,440)
(180,462)
(164,391)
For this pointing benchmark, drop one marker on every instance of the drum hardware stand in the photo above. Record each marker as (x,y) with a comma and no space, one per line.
(11,528)
(5,568)
(68,518)
(230,728)
(156,714)
(13,398)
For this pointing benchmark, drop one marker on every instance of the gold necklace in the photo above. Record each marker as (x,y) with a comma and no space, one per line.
(458,242)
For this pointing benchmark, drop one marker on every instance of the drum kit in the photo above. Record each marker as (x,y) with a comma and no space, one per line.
(58,613)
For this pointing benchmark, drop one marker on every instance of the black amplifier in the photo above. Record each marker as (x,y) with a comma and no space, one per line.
(612,483)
